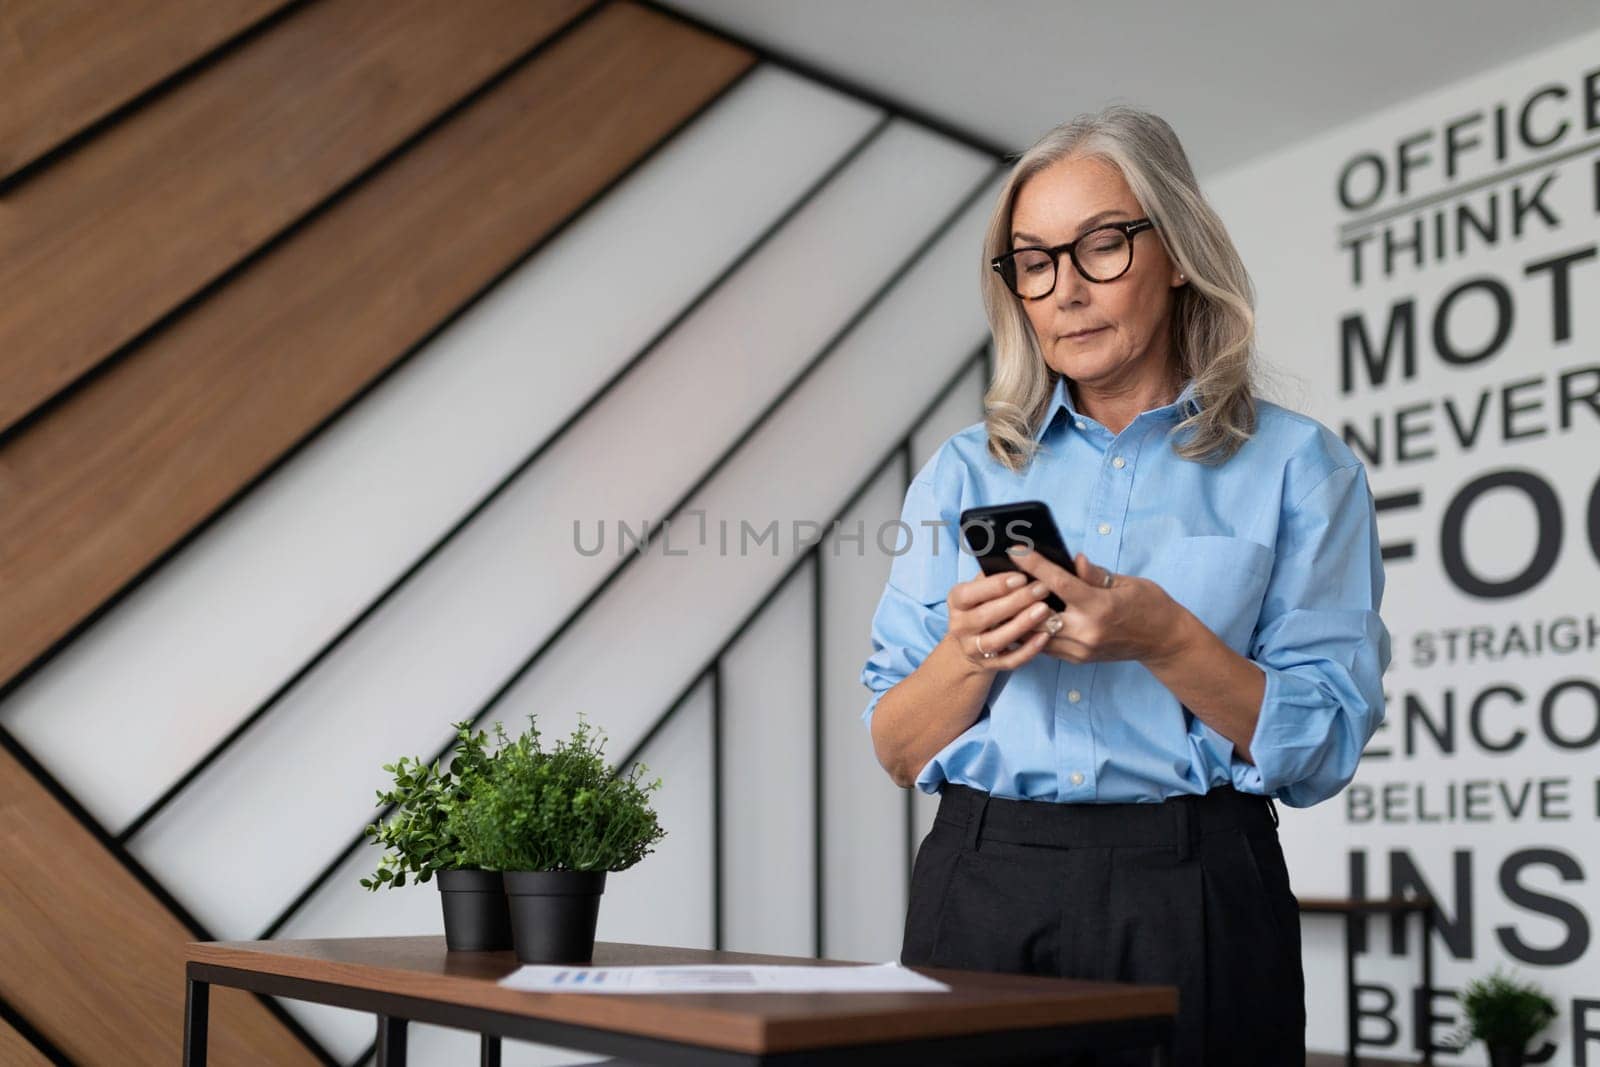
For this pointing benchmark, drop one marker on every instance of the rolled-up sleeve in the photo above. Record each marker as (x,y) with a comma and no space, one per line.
(1322,645)
(912,614)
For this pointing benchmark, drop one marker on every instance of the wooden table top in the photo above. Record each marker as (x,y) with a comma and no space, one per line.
(978,1002)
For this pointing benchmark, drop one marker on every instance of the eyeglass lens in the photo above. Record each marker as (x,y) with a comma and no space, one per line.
(1101,254)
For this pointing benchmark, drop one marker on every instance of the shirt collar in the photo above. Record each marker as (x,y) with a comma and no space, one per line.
(1186,404)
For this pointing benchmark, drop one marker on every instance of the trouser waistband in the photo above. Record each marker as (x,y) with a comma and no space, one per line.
(1177,822)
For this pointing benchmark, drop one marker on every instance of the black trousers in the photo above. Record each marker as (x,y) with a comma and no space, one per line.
(1192,892)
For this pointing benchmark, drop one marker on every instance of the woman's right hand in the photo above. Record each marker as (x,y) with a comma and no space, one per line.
(991,612)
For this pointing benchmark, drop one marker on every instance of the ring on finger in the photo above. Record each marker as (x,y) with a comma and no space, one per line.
(1053,624)
(979,642)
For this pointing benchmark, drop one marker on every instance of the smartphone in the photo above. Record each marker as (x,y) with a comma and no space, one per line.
(989,531)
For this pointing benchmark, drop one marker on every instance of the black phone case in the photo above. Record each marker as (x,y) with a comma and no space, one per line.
(988,531)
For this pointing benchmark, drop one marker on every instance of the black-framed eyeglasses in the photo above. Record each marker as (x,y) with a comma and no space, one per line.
(1104,254)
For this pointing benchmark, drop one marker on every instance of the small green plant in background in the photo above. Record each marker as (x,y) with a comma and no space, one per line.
(416,838)
(1502,1012)
(533,809)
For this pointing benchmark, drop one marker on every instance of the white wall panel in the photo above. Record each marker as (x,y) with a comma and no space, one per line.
(141,695)
(768,760)
(865,844)
(264,818)
(668,613)
(666,898)
(962,408)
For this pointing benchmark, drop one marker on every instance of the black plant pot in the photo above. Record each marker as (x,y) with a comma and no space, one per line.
(476,917)
(1507,1056)
(553,914)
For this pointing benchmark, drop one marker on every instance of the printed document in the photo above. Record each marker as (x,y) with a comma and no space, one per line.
(722,978)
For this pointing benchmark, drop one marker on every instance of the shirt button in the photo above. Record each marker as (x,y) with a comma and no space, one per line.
(1074,696)
(1079,424)
(1105,527)
(1119,463)
(1077,778)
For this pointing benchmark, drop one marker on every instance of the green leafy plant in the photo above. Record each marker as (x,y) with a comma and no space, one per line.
(561,809)
(1501,1011)
(416,837)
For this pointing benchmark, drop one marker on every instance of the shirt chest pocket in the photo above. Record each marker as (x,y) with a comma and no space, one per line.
(1222,580)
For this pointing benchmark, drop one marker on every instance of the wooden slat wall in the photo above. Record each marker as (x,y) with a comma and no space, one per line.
(93,961)
(128,465)
(256,245)
(69,63)
(15,1051)
(103,243)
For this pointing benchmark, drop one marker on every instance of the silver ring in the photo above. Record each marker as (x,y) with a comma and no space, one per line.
(979,642)
(1053,624)
(1107,583)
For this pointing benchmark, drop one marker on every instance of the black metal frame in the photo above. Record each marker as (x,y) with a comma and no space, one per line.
(1356,911)
(217,750)
(713,665)
(393,1011)
(892,109)
(1005,264)
(656,529)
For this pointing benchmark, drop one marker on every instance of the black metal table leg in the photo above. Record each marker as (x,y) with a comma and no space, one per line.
(1352,1027)
(391,1041)
(196,1012)
(489,1051)
(1165,1053)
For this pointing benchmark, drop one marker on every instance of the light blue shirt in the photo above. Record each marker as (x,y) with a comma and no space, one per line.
(1276,550)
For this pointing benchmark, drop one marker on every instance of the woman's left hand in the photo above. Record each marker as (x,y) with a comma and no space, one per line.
(1129,619)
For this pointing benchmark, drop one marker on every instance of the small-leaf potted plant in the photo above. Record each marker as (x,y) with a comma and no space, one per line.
(555,822)
(1505,1015)
(419,844)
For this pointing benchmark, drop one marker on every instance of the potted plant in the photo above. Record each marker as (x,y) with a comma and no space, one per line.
(1505,1015)
(419,844)
(555,822)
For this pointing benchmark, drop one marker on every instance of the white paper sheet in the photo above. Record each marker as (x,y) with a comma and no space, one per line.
(722,978)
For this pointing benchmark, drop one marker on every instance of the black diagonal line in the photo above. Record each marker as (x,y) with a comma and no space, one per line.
(169,83)
(761,419)
(750,617)
(33,1035)
(171,793)
(140,874)
(714,662)
(850,503)
(822,76)
(315,212)
(288,454)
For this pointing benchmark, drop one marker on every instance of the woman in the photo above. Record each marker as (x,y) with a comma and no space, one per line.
(1105,772)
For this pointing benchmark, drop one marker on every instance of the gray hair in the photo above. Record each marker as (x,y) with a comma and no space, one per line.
(1213,316)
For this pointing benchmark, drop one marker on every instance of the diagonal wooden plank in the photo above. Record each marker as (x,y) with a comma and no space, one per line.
(127,466)
(17,1051)
(69,64)
(93,961)
(145,214)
